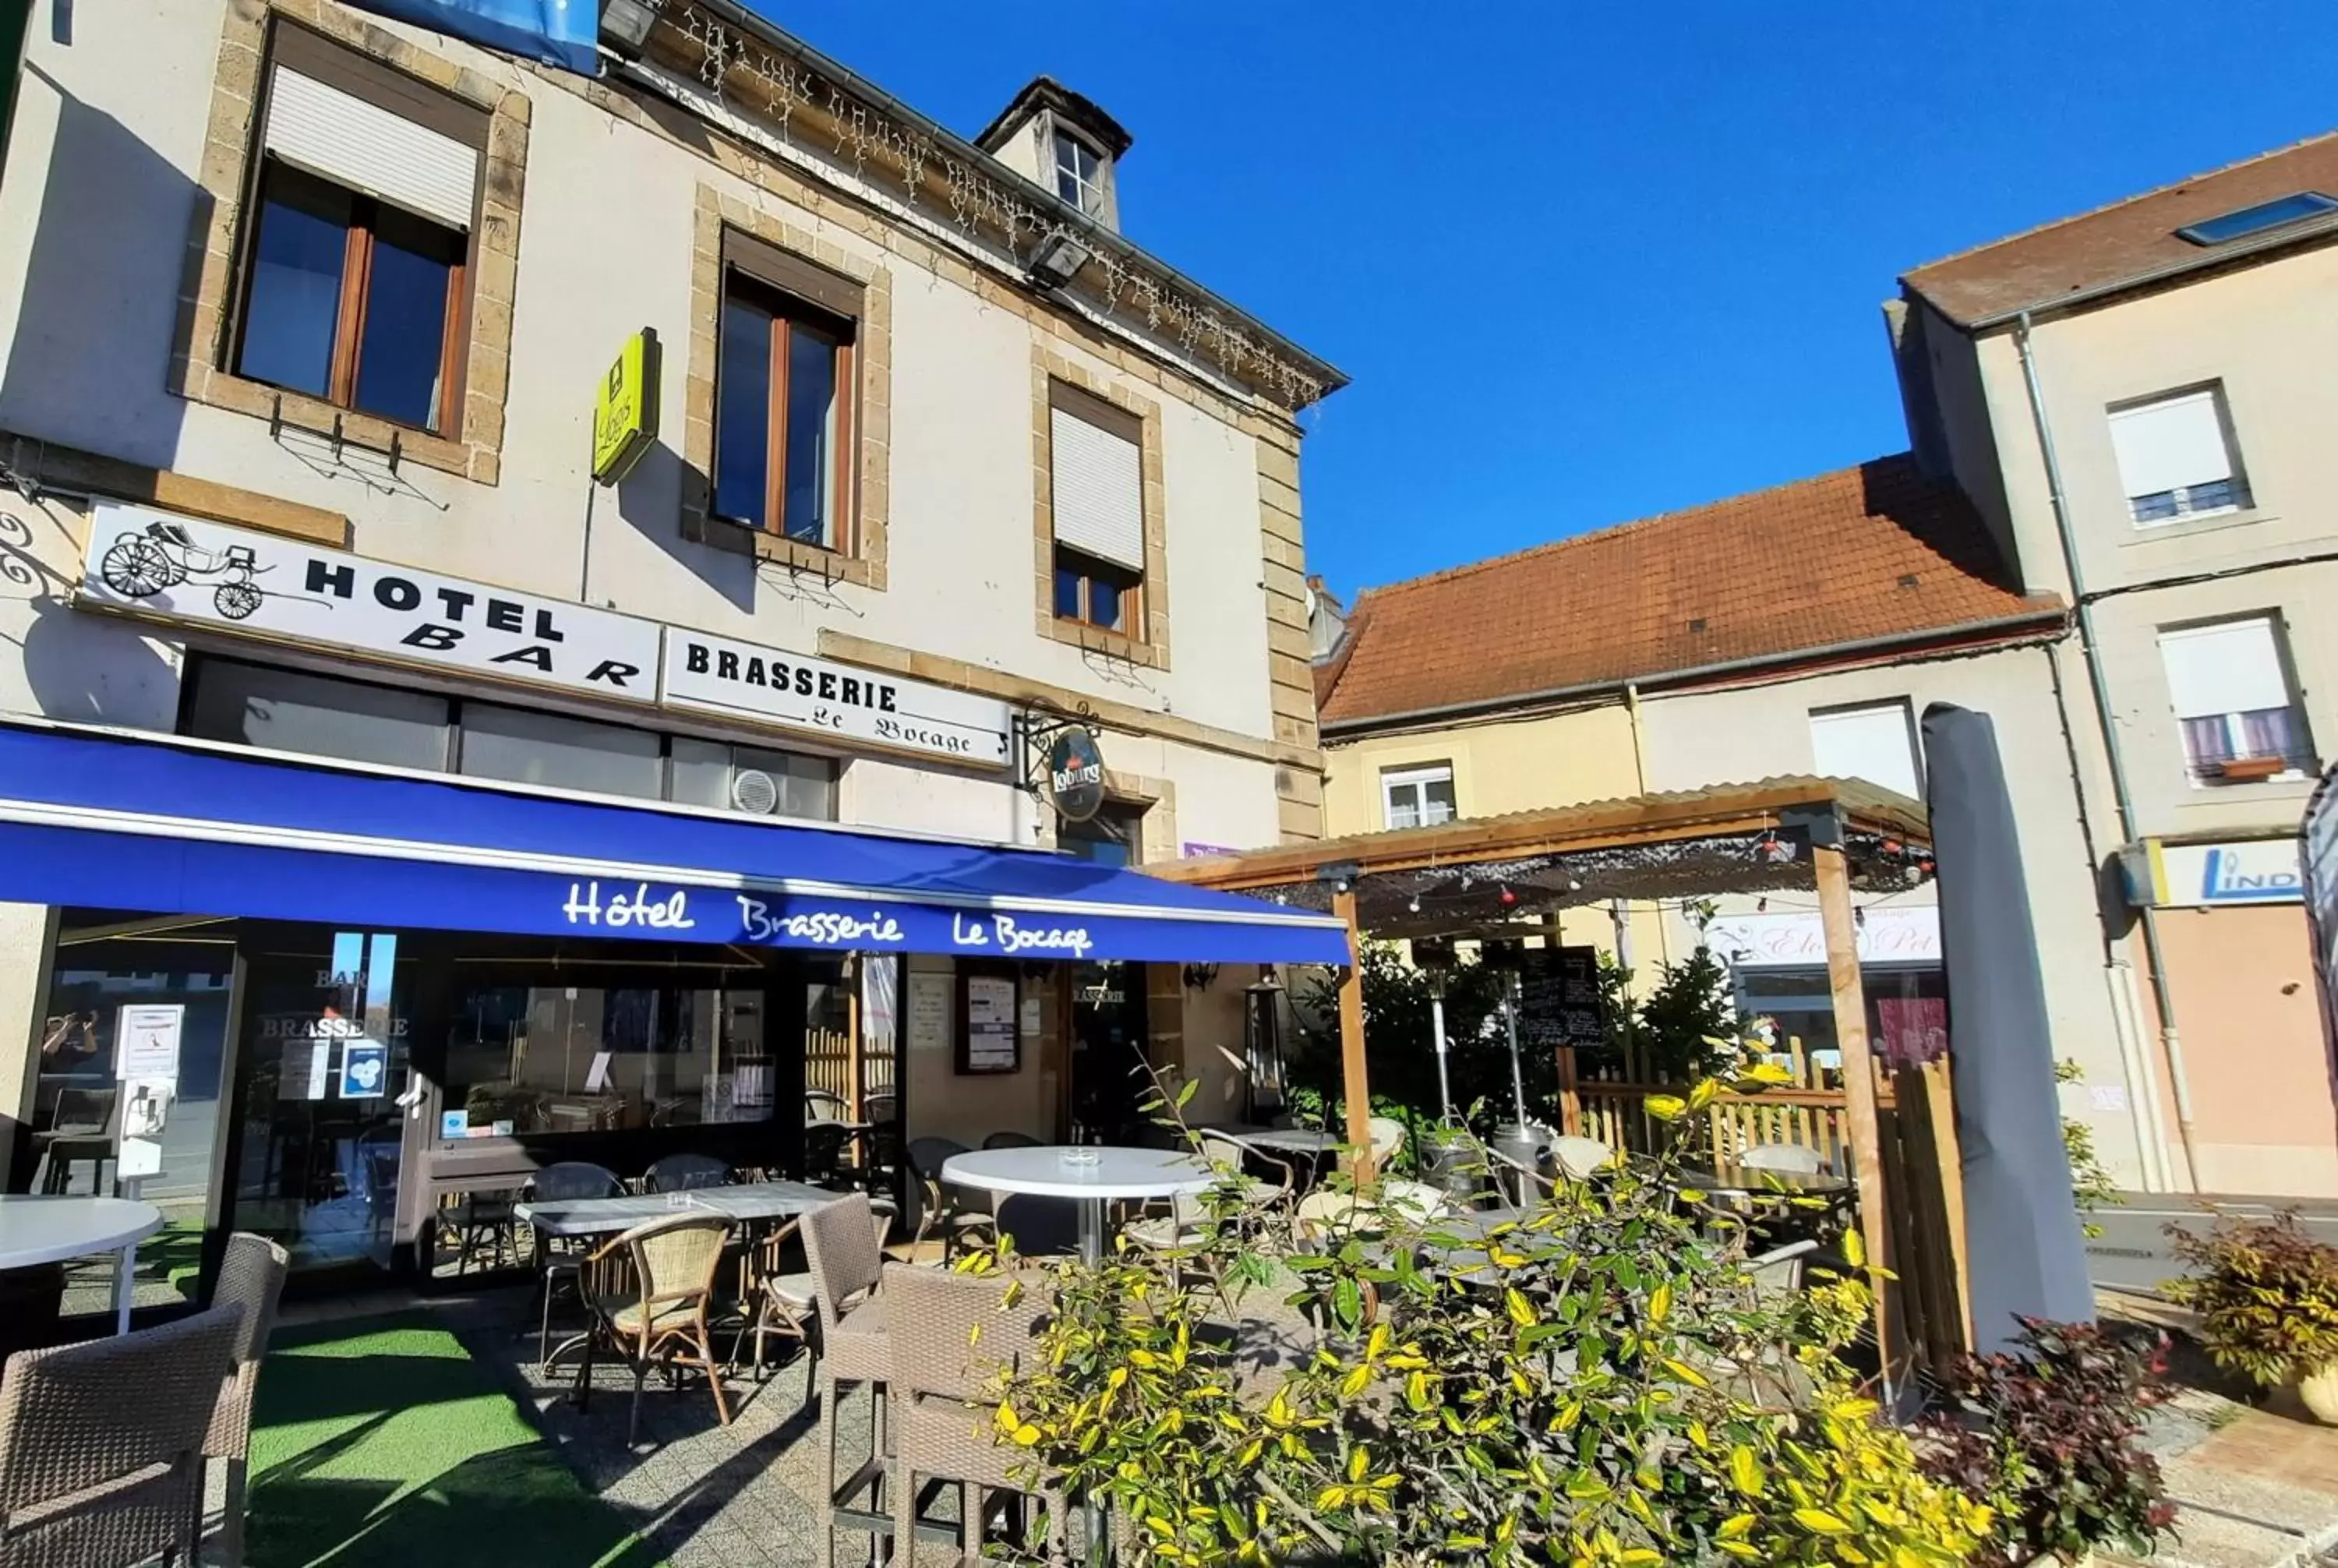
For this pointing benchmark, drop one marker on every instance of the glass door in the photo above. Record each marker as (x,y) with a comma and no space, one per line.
(326,1090)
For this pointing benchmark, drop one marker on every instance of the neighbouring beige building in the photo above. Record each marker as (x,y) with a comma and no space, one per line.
(2137,401)
(312,323)
(1802,630)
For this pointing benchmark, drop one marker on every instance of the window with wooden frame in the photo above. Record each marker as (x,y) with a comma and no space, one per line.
(783,394)
(357,260)
(1098,484)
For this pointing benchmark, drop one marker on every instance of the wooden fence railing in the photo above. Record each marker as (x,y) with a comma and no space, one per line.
(828,1061)
(1924,1193)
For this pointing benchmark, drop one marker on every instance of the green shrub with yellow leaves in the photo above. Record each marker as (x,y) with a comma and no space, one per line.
(1598,1383)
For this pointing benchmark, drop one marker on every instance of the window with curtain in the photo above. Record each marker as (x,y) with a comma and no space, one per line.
(1417,797)
(1097,483)
(783,405)
(357,254)
(2176,458)
(2228,684)
(1876,742)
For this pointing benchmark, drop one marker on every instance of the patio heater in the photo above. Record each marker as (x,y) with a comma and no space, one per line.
(1435,957)
(1521,1141)
(1263,1005)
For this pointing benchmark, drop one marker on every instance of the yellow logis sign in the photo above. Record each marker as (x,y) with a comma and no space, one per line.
(625,413)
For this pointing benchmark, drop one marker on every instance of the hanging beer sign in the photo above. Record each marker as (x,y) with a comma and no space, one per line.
(1074,773)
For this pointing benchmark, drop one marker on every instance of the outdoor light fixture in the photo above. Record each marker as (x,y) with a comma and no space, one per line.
(1057,260)
(1201,976)
(628,22)
(1415,905)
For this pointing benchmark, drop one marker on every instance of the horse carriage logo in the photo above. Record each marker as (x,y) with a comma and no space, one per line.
(140,564)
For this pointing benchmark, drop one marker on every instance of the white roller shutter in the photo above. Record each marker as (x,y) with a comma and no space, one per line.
(2232,668)
(1099,490)
(2171,444)
(1870,743)
(357,144)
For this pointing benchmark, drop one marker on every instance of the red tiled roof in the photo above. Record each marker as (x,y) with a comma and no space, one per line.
(1861,553)
(2128,240)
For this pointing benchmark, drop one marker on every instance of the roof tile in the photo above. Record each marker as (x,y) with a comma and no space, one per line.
(1860,552)
(2127,240)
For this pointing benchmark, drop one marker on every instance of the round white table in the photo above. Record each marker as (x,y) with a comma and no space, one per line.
(1114,1174)
(37,1229)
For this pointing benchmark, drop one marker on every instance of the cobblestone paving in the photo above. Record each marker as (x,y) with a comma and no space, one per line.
(704,1495)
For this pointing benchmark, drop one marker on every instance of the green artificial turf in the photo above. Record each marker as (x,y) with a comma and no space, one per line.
(376,1442)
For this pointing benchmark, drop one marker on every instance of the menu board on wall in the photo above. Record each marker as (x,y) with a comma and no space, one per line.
(929,1011)
(993,1041)
(1558,1002)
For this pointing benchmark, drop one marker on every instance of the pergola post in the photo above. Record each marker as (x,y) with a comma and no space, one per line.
(1858,1071)
(1354,1081)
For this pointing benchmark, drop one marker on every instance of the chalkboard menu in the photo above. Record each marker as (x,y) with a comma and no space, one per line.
(1558,1001)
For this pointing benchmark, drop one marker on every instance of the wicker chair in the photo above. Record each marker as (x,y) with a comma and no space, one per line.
(101,1445)
(839,1241)
(686,1173)
(674,1262)
(960,1218)
(788,1304)
(251,1275)
(557,1265)
(942,1370)
(1012,1140)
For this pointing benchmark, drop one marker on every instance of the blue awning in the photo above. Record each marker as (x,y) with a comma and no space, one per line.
(175,826)
(562,33)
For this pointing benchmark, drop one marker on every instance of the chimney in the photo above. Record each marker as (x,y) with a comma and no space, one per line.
(1053,136)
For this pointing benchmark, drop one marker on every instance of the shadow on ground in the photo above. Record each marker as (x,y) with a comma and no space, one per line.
(383,1443)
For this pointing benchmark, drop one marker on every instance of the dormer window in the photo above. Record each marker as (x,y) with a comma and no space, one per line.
(1079,174)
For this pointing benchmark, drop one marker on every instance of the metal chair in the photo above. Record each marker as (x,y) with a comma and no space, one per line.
(961,1217)
(1579,1157)
(839,1243)
(674,1262)
(1012,1140)
(1779,1271)
(820,1105)
(81,1127)
(556,1264)
(101,1445)
(686,1173)
(251,1275)
(952,1334)
(824,1145)
(1791,1158)
(1224,1149)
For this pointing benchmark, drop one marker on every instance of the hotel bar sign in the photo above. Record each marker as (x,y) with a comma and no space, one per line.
(839,702)
(157,564)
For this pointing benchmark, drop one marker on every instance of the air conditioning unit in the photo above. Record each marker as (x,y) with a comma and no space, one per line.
(754,791)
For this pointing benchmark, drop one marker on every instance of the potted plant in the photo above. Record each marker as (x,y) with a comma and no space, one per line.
(2267,1296)
(2250,769)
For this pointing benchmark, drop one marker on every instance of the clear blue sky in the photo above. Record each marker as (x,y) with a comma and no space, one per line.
(1587,263)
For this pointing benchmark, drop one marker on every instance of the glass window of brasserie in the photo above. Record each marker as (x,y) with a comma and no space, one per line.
(525,1061)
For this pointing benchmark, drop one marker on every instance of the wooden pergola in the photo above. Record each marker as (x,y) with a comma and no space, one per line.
(1510,875)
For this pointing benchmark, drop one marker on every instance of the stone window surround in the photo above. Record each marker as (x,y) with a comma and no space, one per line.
(1151,650)
(1156,798)
(863,563)
(200,345)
